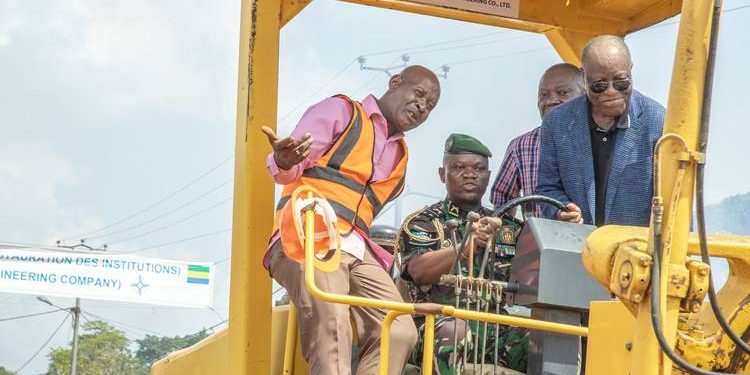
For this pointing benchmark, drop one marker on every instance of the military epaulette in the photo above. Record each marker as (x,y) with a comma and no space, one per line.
(431,212)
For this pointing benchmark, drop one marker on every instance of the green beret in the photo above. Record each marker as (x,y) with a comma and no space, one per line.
(465,144)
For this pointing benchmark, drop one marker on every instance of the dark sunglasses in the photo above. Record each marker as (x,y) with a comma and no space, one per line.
(602,86)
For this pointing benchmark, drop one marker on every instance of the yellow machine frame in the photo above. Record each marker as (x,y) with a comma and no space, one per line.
(246,347)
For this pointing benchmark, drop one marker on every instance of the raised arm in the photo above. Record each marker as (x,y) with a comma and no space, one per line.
(316,131)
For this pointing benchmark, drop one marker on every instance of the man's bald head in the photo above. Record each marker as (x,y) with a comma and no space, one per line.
(611,46)
(411,96)
(559,83)
(414,73)
(565,69)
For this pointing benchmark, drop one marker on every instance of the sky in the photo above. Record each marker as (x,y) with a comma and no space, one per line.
(120,115)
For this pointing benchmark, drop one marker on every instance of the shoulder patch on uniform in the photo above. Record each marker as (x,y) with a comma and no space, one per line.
(418,229)
(419,236)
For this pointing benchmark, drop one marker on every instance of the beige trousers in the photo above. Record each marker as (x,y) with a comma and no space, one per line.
(325,328)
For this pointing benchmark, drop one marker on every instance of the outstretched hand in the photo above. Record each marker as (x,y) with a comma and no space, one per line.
(289,151)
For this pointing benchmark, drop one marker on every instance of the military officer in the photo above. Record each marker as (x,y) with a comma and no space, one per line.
(428,251)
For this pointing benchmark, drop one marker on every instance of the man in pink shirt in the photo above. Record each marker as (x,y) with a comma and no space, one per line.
(356,152)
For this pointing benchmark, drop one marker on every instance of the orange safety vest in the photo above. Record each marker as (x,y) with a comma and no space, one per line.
(344,177)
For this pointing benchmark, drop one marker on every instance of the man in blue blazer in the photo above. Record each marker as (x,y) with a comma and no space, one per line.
(596,150)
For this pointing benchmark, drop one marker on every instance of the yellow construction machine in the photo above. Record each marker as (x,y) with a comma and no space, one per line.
(659,315)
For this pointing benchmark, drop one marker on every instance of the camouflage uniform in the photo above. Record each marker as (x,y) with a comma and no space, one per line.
(424,231)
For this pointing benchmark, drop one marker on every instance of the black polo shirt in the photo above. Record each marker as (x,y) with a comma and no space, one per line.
(602,149)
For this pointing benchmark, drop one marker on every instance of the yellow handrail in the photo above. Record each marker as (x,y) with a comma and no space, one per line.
(429,310)
(291,341)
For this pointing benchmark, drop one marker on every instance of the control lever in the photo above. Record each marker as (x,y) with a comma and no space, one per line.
(452,227)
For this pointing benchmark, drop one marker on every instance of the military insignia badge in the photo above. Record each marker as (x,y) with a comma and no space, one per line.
(453,209)
(507,234)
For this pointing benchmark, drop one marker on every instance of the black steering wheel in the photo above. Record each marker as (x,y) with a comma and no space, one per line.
(502,210)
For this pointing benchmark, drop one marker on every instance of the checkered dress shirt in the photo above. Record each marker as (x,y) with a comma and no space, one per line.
(517,174)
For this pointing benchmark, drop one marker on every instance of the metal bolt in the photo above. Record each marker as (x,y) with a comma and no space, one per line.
(644,261)
(637,298)
(629,346)
(703,271)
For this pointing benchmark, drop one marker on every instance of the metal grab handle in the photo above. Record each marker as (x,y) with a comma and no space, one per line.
(403,308)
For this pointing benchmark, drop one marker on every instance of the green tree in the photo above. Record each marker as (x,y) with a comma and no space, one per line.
(4,371)
(152,348)
(103,350)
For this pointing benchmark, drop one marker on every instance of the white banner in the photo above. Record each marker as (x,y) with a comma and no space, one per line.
(114,277)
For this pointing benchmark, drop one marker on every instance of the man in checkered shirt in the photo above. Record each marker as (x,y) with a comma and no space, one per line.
(517,174)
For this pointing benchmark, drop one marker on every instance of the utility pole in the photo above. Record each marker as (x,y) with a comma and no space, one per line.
(76,311)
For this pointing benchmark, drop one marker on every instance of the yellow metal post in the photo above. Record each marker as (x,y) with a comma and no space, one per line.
(291,341)
(429,342)
(385,340)
(682,118)
(568,43)
(290,8)
(250,290)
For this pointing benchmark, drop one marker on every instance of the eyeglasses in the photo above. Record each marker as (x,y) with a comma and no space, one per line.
(602,86)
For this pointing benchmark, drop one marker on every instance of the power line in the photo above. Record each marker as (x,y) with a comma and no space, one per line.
(132,339)
(25,244)
(43,345)
(340,72)
(461,62)
(28,316)
(216,312)
(169,196)
(186,218)
(434,44)
(374,76)
(179,241)
(211,328)
(518,37)
(121,323)
(413,48)
(217,187)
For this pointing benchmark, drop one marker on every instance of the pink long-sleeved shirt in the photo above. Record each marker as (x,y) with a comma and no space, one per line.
(326,121)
